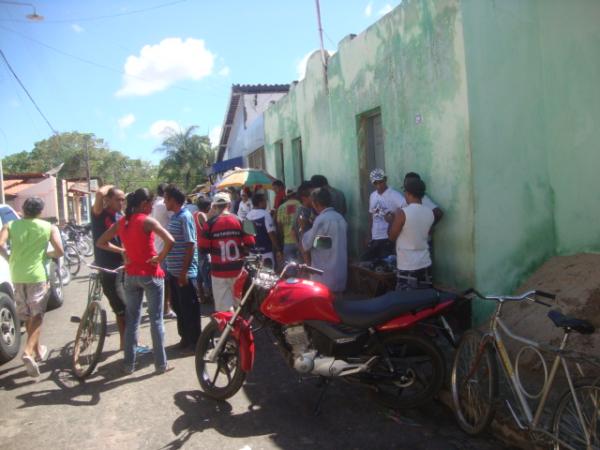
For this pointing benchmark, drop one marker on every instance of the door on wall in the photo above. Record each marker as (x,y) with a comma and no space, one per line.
(371,150)
(297,161)
(280,161)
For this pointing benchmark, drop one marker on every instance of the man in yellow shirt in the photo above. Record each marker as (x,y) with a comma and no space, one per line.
(29,239)
(287,215)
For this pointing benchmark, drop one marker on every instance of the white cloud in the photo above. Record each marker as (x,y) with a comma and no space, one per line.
(214,135)
(369,9)
(225,71)
(126,121)
(163,128)
(386,9)
(161,65)
(77,28)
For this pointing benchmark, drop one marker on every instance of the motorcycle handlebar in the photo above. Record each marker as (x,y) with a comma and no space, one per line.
(310,269)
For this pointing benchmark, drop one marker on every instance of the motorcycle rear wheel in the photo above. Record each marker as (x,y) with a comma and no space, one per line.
(420,369)
(224,377)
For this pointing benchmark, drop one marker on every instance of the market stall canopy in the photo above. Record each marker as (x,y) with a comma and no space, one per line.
(250,178)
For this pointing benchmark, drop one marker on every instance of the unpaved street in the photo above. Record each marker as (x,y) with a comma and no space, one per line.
(273,409)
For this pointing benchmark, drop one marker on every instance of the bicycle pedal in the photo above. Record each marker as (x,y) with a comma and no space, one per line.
(75,319)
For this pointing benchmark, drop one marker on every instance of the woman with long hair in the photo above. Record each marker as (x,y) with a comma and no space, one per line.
(143,274)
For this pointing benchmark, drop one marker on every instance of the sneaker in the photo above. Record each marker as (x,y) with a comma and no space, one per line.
(127,370)
(170,315)
(31,366)
(142,349)
(43,356)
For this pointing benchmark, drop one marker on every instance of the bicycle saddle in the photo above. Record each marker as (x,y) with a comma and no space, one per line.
(570,323)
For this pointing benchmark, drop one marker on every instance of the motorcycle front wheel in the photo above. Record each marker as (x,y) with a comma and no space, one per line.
(418,371)
(222,378)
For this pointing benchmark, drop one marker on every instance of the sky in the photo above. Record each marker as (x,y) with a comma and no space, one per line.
(129,71)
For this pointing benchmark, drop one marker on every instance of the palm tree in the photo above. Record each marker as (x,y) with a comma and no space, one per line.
(186,157)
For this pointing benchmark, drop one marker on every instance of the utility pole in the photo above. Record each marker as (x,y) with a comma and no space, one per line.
(87,175)
(323,57)
(1,183)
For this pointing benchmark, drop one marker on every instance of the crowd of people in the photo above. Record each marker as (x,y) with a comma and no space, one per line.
(179,255)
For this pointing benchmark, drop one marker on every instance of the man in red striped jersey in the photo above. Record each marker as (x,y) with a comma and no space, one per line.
(224,239)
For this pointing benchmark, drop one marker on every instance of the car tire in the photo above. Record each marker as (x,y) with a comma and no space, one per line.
(10,329)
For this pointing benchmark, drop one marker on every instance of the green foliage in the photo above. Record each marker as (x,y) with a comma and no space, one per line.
(112,167)
(187,155)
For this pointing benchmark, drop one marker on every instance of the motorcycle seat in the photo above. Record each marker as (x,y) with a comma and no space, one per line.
(375,311)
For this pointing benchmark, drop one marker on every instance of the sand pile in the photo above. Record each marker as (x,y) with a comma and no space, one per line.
(576,282)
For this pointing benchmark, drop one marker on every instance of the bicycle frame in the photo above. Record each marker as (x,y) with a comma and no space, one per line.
(532,417)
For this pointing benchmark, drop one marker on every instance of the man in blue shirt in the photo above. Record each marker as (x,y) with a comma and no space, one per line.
(182,268)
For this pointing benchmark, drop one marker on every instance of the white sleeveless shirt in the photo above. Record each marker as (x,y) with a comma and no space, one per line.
(412,248)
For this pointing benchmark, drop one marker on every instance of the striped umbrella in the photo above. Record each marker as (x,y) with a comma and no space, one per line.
(250,178)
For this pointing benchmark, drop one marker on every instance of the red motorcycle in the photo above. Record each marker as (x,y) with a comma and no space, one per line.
(368,341)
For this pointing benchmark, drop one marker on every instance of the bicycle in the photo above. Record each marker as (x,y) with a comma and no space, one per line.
(72,259)
(474,380)
(91,331)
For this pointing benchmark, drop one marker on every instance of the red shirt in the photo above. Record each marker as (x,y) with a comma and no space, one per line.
(279,198)
(139,247)
(223,238)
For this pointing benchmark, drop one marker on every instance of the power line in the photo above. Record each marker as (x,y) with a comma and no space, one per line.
(26,91)
(108,16)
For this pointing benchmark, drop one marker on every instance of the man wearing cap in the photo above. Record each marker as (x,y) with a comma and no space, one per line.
(383,203)
(410,231)
(224,239)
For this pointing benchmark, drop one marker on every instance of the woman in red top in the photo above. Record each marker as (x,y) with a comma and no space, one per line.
(143,274)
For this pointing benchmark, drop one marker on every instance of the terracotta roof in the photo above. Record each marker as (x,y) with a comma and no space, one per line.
(16,188)
(11,183)
(24,175)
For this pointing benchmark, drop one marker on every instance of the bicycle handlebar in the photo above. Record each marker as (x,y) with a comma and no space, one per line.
(103,269)
(514,298)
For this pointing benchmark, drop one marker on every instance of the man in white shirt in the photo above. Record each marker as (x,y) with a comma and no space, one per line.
(426,201)
(410,230)
(245,204)
(383,204)
(160,213)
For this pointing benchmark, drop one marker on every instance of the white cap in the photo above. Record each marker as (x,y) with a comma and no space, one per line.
(221,198)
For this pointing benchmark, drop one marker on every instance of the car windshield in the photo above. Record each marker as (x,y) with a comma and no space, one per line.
(7,215)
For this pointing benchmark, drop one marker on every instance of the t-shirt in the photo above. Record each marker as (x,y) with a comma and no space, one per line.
(263,222)
(244,208)
(161,214)
(222,237)
(101,223)
(181,226)
(379,206)
(287,215)
(28,244)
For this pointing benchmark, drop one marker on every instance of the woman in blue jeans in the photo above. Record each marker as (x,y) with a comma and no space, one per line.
(143,274)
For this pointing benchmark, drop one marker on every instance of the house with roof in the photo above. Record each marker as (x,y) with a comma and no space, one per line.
(19,186)
(242,135)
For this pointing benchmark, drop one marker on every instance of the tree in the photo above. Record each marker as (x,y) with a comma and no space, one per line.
(111,166)
(187,155)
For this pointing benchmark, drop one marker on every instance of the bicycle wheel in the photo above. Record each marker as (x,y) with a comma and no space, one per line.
(419,370)
(223,378)
(84,247)
(89,340)
(474,383)
(567,426)
(72,260)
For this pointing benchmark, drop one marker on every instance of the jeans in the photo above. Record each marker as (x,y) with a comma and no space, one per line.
(135,288)
(204,271)
(187,307)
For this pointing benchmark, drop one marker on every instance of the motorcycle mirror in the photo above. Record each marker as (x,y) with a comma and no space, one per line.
(248,227)
(323,242)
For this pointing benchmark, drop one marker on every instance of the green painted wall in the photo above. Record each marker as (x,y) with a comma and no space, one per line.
(509,144)
(409,63)
(571,82)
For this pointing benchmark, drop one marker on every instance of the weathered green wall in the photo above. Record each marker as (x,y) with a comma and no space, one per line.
(532,69)
(509,94)
(514,230)
(409,63)
(570,48)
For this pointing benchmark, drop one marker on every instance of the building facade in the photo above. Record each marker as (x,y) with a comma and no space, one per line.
(495,104)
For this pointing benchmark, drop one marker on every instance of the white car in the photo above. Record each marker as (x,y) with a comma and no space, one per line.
(10,326)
